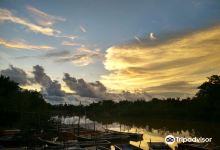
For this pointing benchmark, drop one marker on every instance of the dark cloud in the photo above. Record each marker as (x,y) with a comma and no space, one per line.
(51,90)
(84,89)
(86,92)
(49,87)
(98,90)
(16,74)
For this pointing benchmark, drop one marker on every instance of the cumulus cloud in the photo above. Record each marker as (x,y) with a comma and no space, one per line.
(23,45)
(172,61)
(83,92)
(42,18)
(98,90)
(52,92)
(48,86)
(83,88)
(16,74)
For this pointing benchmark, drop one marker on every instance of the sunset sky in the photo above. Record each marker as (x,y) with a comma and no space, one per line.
(95,49)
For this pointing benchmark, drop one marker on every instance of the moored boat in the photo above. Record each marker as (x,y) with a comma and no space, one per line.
(158,146)
(126,147)
(81,144)
(133,136)
(191,146)
(108,137)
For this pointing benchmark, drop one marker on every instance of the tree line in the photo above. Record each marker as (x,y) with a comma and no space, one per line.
(205,105)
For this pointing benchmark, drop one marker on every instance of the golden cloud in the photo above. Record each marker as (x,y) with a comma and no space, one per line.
(43,18)
(183,62)
(44,26)
(22,45)
(6,15)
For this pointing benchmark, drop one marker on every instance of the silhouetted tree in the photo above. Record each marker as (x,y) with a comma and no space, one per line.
(210,90)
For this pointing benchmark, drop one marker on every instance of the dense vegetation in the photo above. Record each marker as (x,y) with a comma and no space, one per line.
(13,98)
(19,107)
(205,105)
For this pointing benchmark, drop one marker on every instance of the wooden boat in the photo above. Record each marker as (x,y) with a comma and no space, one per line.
(50,143)
(9,132)
(191,146)
(104,143)
(158,146)
(62,148)
(108,137)
(133,136)
(98,148)
(11,141)
(81,144)
(126,147)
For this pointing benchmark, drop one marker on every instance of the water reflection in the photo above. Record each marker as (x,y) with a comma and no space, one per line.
(150,133)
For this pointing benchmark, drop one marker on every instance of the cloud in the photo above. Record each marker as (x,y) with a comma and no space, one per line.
(173,89)
(98,90)
(82,29)
(16,74)
(67,43)
(83,57)
(152,36)
(79,58)
(49,86)
(56,54)
(22,45)
(137,38)
(83,92)
(51,90)
(7,15)
(153,65)
(83,88)
(42,18)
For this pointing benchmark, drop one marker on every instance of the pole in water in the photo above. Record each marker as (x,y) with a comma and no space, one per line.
(139,144)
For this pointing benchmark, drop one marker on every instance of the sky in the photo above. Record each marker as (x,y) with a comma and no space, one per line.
(102,49)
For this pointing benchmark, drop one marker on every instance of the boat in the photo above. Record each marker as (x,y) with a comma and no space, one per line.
(126,147)
(11,140)
(50,143)
(98,148)
(9,132)
(158,146)
(108,137)
(80,144)
(133,136)
(191,146)
(62,148)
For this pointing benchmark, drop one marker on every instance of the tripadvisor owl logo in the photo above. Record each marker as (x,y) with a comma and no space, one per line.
(169,139)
